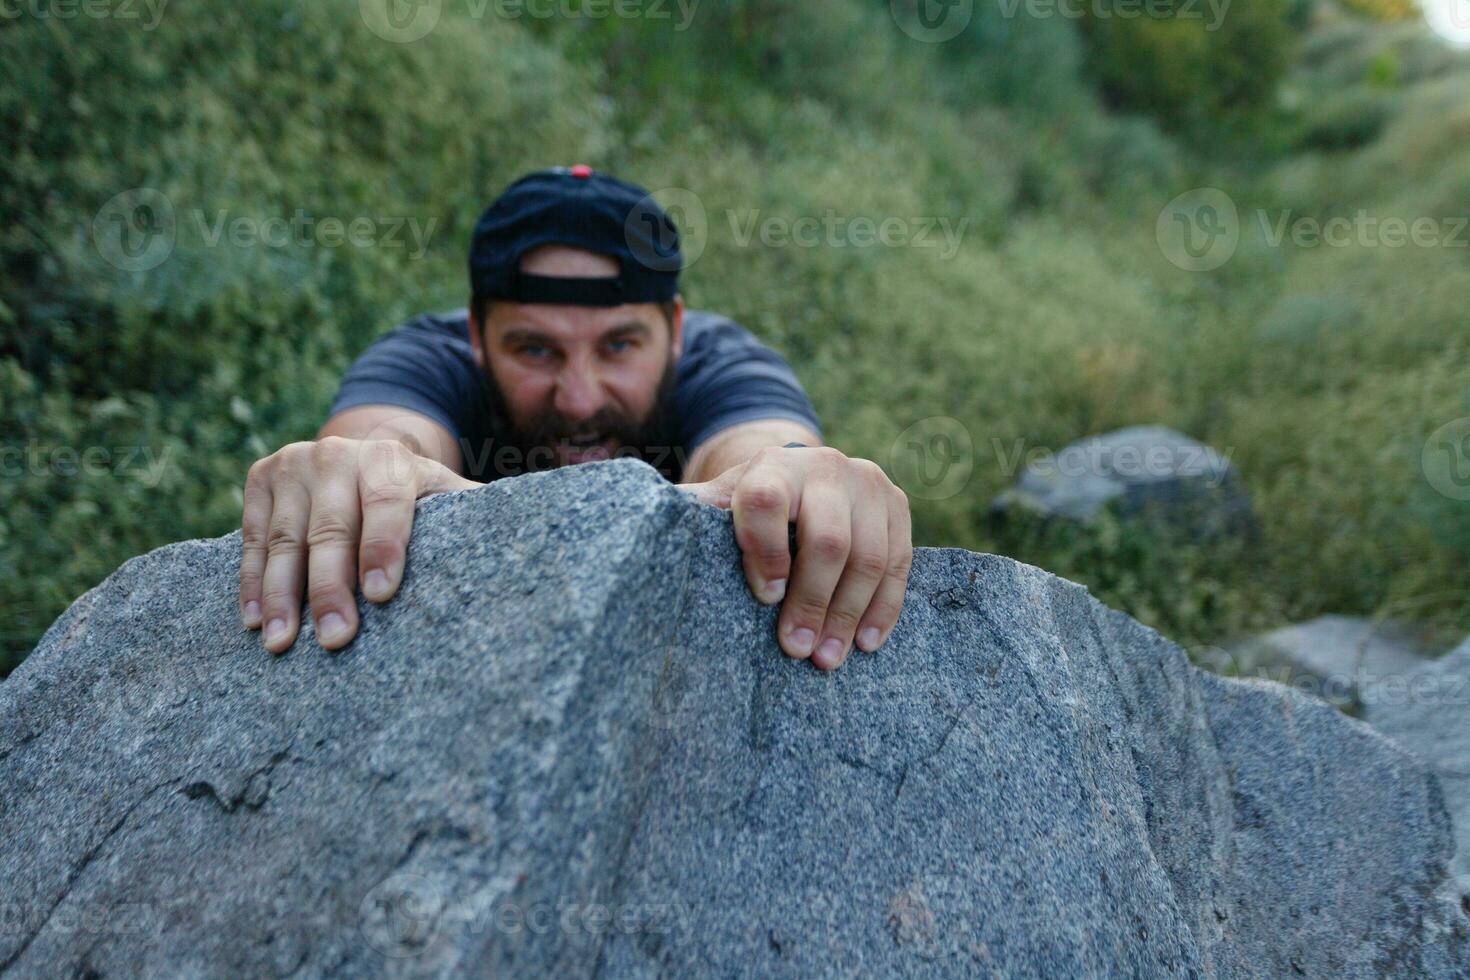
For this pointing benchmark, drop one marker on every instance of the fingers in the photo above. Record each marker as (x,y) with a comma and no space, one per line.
(883,611)
(823,541)
(319,515)
(254,523)
(332,544)
(387,492)
(854,550)
(761,504)
(285,566)
(867,561)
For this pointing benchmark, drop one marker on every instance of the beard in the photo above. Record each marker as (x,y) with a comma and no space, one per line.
(543,442)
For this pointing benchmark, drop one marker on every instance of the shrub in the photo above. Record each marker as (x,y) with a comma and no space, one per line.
(1348,121)
(1185,68)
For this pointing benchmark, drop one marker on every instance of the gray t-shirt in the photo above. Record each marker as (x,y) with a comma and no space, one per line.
(723,377)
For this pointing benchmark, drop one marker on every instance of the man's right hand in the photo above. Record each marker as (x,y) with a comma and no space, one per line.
(327,516)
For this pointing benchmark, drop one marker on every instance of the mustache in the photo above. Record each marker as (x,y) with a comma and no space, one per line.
(550,427)
(553,427)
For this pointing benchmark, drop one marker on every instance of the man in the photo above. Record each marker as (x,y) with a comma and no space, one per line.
(575,347)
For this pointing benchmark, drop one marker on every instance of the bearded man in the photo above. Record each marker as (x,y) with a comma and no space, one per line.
(575,347)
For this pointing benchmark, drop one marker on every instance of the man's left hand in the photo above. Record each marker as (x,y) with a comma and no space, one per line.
(854,545)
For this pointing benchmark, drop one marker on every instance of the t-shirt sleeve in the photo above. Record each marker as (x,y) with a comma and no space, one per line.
(727,377)
(414,368)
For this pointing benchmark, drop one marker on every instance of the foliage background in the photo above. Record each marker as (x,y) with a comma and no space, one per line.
(1321,371)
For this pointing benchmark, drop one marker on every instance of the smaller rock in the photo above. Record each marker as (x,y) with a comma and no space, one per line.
(1429,715)
(1140,471)
(1350,661)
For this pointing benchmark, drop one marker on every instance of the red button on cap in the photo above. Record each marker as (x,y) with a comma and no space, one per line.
(581,170)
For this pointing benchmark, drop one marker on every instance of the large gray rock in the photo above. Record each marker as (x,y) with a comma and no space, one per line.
(571,747)
(1141,472)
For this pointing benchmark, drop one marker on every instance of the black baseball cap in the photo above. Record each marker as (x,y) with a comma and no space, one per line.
(579,207)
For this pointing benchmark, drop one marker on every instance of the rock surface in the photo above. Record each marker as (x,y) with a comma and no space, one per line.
(1428,713)
(1147,471)
(571,747)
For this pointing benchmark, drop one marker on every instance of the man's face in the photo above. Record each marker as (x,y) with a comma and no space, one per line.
(583,382)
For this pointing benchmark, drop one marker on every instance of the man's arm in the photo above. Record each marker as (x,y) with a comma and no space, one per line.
(334,513)
(419,432)
(853,534)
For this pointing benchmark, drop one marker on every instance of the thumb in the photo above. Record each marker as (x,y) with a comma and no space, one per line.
(439,478)
(715,493)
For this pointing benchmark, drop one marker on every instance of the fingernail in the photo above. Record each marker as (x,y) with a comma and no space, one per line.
(275,630)
(829,654)
(251,615)
(332,628)
(773,592)
(375,584)
(868,638)
(801,641)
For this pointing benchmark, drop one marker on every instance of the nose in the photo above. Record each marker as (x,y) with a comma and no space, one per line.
(578,392)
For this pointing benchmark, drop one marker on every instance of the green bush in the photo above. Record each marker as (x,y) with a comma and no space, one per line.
(1347,122)
(1191,68)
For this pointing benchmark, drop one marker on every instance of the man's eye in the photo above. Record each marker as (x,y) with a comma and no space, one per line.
(535,350)
(620,346)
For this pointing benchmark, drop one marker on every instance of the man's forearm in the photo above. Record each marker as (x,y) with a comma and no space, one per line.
(419,433)
(739,443)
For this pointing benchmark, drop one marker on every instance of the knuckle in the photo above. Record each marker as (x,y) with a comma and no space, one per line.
(252,537)
(901,561)
(391,464)
(760,496)
(384,494)
(897,494)
(328,529)
(281,538)
(806,609)
(289,460)
(840,622)
(868,564)
(325,592)
(829,456)
(771,554)
(279,598)
(829,544)
(332,451)
(764,547)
